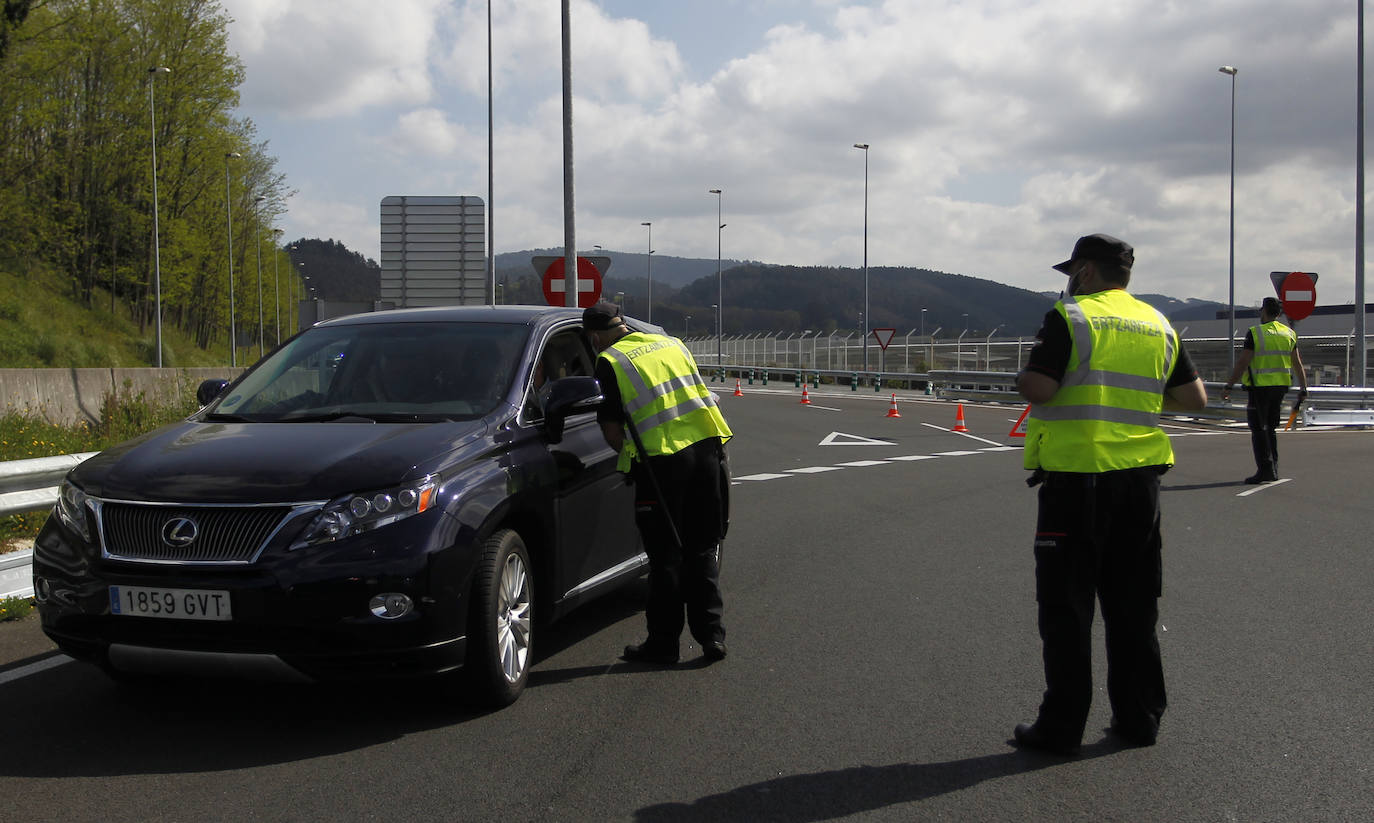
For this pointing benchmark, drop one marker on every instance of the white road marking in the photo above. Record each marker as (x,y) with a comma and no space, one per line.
(34,668)
(1261,487)
(954,454)
(842,439)
(914,457)
(814,470)
(963,434)
(764,476)
(861,463)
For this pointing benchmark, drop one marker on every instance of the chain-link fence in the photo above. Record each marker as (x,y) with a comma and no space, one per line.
(1327,358)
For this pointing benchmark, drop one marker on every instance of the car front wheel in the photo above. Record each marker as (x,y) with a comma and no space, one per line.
(502,621)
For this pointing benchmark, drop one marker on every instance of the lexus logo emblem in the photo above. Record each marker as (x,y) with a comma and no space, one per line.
(179,532)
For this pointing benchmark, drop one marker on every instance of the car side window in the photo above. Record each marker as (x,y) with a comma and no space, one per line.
(565,354)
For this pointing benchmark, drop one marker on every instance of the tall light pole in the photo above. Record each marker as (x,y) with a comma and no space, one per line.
(987,349)
(867,320)
(649,269)
(491,177)
(720,291)
(276,281)
(157,252)
(1362,359)
(229,222)
(959,351)
(1231,275)
(687,327)
(257,242)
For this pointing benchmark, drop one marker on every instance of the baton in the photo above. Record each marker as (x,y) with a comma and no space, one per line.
(653,480)
(1293,415)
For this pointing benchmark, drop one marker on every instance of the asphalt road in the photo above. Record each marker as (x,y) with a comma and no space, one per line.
(882,639)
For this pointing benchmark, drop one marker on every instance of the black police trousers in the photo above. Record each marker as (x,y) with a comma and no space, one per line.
(1262,408)
(686,574)
(1097,537)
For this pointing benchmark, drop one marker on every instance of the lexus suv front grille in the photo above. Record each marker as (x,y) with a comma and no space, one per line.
(188,534)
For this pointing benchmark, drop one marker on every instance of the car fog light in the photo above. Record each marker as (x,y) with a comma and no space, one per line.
(391,605)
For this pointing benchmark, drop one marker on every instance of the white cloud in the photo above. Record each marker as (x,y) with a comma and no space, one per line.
(1000,130)
(312,59)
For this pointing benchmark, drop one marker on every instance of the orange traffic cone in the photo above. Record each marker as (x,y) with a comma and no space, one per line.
(892,412)
(738,393)
(959,420)
(806,398)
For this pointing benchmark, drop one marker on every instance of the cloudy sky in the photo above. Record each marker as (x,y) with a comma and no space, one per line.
(1000,130)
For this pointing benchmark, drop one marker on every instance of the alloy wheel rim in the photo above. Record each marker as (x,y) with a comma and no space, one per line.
(513,619)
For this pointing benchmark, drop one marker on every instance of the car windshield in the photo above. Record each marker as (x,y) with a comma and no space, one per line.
(381,372)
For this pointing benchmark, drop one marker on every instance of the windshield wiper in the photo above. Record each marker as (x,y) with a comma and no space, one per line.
(330,417)
(216,417)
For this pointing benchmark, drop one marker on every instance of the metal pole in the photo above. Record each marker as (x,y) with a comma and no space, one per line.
(276,282)
(257,242)
(867,320)
(720,290)
(229,222)
(1363,358)
(157,252)
(570,290)
(1231,271)
(491,206)
(649,267)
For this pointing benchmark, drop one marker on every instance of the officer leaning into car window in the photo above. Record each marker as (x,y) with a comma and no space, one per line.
(1104,367)
(655,397)
(1270,354)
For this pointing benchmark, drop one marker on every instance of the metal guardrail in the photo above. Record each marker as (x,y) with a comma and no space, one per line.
(27,485)
(1325,405)
(31,485)
(16,578)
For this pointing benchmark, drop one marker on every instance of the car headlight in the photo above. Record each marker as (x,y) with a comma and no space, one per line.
(71,509)
(362,512)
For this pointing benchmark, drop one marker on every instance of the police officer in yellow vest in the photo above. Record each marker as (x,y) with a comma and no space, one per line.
(1104,367)
(681,483)
(1269,357)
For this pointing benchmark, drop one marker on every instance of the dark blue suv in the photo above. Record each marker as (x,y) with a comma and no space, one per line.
(385,494)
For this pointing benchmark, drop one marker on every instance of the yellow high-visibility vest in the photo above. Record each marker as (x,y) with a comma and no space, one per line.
(1105,415)
(1272,364)
(665,397)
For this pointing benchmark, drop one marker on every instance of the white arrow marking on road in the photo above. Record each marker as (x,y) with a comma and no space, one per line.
(834,439)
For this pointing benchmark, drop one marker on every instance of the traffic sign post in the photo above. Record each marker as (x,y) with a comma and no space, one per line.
(884,337)
(1298,291)
(589,272)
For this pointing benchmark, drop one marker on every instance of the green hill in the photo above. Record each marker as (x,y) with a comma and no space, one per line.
(41,327)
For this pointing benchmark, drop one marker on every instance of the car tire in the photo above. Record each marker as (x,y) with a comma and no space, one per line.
(502,621)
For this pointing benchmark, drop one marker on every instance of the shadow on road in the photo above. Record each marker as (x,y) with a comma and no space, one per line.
(71,721)
(843,792)
(1196,486)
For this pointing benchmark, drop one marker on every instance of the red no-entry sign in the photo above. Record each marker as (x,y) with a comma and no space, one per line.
(588,283)
(1299,295)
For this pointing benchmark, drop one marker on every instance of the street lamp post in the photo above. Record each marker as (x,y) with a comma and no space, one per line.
(276,281)
(987,349)
(157,253)
(720,290)
(649,269)
(867,320)
(257,242)
(229,222)
(959,351)
(687,326)
(1231,270)
(923,329)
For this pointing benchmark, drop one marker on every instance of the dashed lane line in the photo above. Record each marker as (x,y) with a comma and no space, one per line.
(866,463)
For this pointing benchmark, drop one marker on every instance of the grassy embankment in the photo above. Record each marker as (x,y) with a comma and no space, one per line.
(41,328)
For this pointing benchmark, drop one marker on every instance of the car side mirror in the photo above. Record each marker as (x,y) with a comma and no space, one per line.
(209,389)
(568,395)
